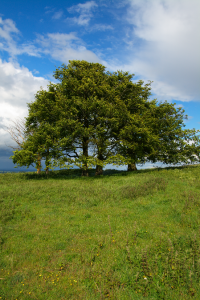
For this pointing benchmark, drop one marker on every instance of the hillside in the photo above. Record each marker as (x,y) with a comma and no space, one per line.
(118,236)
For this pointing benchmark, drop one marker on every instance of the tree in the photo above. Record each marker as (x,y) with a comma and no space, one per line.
(158,136)
(151,131)
(92,118)
(174,143)
(63,126)
(136,140)
(132,137)
(105,116)
(41,134)
(88,111)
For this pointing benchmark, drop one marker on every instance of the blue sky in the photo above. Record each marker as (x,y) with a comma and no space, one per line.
(156,40)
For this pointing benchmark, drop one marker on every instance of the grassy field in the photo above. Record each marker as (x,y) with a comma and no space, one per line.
(118,236)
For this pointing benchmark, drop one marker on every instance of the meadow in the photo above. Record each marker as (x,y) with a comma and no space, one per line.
(117,236)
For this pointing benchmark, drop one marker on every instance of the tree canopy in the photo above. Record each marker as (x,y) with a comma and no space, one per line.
(92,118)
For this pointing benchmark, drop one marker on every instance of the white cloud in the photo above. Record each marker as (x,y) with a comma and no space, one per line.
(17,88)
(72,54)
(57,15)
(101,27)
(59,46)
(35,71)
(164,47)
(7,28)
(162,44)
(49,10)
(84,10)
(82,20)
(8,36)
(56,40)
(169,54)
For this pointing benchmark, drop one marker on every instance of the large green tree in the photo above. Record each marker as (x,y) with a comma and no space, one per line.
(90,108)
(132,135)
(174,144)
(41,131)
(150,131)
(107,106)
(72,120)
(92,118)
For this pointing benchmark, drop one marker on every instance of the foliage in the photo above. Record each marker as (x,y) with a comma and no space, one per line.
(92,118)
(174,144)
(40,130)
(89,110)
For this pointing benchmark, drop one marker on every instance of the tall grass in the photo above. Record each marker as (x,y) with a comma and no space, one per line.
(118,236)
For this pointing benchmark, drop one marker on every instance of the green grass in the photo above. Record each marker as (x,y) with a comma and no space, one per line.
(118,236)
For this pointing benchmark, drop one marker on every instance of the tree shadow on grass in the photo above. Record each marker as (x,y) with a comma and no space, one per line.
(77,173)
(71,174)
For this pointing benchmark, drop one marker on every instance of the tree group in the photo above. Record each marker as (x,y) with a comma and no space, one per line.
(92,118)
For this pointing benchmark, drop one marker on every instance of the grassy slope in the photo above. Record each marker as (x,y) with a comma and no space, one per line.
(118,236)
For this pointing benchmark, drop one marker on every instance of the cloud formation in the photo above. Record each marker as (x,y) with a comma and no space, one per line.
(17,88)
(57,15)
(161,43)
(7,29)
(9,36)
(65,47)
(84,10)
(168,32)
(100,27)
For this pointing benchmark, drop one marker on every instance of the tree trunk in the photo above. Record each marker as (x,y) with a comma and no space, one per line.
(39,164)
(84,173)
(131,167)
(99,170)
(47,162)
(85,153)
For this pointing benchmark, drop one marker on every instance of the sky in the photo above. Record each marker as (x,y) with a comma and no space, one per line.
(155,40)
